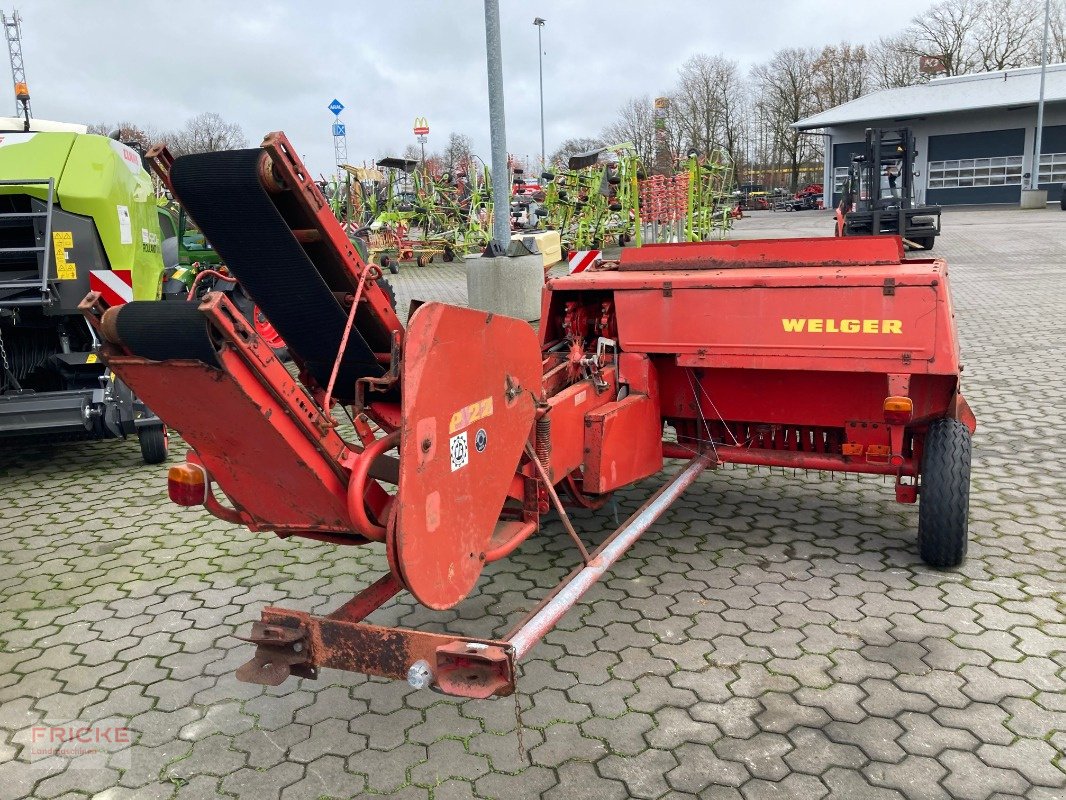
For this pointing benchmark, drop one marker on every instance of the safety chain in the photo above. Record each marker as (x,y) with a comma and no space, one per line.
(7,374)
(3,352)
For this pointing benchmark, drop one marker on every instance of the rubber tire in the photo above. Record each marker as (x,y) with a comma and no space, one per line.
(924,242)
(389,290)
(154,443)
(449,255)
(944,495)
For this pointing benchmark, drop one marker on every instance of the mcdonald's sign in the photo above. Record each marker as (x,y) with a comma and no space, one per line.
(421,126)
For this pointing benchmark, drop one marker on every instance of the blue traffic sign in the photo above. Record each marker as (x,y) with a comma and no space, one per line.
(336,106)
(338,129)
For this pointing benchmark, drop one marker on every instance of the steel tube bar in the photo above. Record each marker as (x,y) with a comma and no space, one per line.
(369,600)
(557,503)
(792,459)
(525,638)
(501,191)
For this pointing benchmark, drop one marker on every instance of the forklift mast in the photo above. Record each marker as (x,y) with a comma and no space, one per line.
(884,173)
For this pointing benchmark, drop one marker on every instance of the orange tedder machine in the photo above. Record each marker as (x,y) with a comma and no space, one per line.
(469,427)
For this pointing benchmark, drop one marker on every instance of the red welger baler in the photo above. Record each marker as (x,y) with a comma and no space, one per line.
(818,354)
(825,354)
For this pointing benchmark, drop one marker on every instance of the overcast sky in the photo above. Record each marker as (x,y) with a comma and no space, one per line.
(275,65)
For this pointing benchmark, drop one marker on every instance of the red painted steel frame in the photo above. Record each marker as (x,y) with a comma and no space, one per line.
(301,643)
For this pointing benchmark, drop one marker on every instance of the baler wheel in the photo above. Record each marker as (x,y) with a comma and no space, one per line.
(155,443)
(944,497)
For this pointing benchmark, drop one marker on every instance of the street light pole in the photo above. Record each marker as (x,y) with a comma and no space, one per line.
(539,22)
(1034,181)
(501,191)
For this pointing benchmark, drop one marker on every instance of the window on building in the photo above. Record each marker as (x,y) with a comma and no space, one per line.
(968,172)
(840,175)
(1053,168)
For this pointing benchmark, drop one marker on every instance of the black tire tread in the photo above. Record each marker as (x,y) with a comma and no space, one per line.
(944,497)
(153,441)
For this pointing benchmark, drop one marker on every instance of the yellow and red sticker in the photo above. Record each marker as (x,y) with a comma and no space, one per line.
(470,414)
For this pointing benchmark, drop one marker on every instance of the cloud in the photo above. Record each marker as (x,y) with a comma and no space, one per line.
(274,65)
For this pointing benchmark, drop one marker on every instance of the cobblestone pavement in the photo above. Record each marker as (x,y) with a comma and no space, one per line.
(773,636)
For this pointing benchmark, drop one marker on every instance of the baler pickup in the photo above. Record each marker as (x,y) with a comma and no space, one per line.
(823,354)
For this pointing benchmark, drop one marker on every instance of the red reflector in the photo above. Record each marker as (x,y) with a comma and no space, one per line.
(187,484)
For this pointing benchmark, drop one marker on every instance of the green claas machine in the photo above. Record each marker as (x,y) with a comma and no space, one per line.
(77,214)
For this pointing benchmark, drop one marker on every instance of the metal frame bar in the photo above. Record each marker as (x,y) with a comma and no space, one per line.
(295,642)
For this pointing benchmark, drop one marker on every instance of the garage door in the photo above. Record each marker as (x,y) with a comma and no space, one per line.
(1053,161)
(983,167)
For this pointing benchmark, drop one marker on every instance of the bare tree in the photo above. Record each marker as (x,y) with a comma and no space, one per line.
(1056,45)
(635,124)
(130,133)
(893,63)
(206,133)
(456,152)
(1007,34)
(706,104)
(785,90)
(947,32)
(841,74)
(572,147)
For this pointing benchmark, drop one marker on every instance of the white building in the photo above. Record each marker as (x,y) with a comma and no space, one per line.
(975,134)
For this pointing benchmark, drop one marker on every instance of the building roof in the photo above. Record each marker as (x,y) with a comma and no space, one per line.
(1010,88)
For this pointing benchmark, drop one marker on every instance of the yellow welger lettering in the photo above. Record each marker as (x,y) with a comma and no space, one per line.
(831,325)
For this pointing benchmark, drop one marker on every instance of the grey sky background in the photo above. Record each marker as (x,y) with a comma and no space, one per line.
(276,64)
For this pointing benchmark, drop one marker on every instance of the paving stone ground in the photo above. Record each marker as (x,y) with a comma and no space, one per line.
(774,636)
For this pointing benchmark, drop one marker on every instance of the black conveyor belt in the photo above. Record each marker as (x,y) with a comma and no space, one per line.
(160,331)
(222,192)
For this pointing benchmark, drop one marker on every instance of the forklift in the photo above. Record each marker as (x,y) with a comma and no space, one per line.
(878,196)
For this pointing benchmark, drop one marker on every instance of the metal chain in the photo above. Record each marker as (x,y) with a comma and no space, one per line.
(3,352)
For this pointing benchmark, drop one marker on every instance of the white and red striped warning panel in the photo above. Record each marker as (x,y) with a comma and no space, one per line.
(114,285)
(580,260)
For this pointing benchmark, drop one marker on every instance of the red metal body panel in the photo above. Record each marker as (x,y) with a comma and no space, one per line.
(262,461)
(764,253)
(568,410)
(623,442)
(470,380)
(759,319)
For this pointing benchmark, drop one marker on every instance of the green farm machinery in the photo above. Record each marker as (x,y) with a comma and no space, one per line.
(77,214)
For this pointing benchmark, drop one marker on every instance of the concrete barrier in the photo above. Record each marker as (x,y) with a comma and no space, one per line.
(509,285)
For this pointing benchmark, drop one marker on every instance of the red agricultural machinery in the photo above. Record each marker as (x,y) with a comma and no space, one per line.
(824,354)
